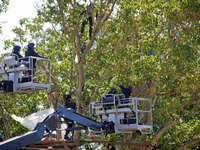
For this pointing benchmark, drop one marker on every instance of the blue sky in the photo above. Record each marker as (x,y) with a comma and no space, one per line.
(17,9)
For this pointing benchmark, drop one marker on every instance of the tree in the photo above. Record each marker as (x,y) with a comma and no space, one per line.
(3,5)
(153,44)
(3,8)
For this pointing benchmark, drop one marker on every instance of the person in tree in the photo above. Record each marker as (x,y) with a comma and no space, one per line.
(87,14)
(126,90)
(68,104)
(16,50)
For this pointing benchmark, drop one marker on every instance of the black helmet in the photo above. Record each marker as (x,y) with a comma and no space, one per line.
(16,48)
(66,96)
(112,91)
(130,87)
(31,45)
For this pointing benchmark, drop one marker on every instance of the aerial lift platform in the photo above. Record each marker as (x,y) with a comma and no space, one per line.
(128,114)
(19,76)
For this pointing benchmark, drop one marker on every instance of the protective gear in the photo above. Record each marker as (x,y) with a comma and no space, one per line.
(66,96)
(16,48)
(30,52)
(31,45)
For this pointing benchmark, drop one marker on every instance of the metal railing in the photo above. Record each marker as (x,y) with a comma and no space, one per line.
(141,107)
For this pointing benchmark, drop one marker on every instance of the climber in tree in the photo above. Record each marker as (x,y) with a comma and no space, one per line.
(87,14)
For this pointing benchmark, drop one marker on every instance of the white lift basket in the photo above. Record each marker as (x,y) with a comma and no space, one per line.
(128,114)
(25,75)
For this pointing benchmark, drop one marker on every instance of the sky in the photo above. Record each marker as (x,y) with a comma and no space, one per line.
(17,9)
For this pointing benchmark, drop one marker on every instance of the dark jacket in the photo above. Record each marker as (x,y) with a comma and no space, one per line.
(70,104)
(31,52)
(125,91)
(16,52)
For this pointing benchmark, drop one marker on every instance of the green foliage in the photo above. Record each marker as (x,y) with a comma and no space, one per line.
(122,55)
(4,5)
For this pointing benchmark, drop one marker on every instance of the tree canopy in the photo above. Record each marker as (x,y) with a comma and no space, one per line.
(151,45)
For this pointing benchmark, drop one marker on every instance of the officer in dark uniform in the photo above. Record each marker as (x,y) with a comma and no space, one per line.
(68,104)
(126,91)
(30,52)
(16,50)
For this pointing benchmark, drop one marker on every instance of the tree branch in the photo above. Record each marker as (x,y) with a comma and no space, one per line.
(170,93)
(189,144)
(168,125)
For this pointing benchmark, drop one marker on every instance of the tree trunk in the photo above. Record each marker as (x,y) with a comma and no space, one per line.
(152,89)
(5,120)
(79,98)
(58,133)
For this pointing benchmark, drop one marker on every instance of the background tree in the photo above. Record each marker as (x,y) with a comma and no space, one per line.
(153,45)
(3,8)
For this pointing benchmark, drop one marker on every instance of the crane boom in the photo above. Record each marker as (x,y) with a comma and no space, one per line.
(49,124)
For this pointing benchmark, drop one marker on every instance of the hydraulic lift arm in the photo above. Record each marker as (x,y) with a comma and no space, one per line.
(49,124)
(86,122)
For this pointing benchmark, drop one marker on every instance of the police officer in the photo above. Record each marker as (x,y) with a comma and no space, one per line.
(68,104)
(126,90)
(30,52)
(16,50)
